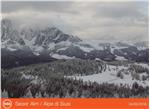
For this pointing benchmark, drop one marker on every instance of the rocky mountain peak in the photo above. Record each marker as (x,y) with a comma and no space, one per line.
(10,34)
(34,37)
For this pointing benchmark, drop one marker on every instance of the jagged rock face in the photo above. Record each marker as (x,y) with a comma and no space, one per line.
(48,35)
(9,34)
(34,37)
(6,28)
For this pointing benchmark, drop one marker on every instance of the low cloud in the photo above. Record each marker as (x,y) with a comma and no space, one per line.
(87,20)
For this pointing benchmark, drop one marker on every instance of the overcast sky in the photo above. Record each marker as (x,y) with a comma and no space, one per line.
(88,20)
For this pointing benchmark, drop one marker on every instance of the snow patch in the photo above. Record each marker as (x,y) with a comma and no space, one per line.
(11,49)
(86,49)
(120,58)
(36,53)
(51,46)
(57,56)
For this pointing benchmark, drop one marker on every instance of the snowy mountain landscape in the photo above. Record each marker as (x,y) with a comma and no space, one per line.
(50,63)
(51,43)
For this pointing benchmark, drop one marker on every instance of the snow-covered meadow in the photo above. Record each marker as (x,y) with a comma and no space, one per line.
(110,76)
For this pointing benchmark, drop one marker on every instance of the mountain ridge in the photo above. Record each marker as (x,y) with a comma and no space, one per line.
(52,43)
